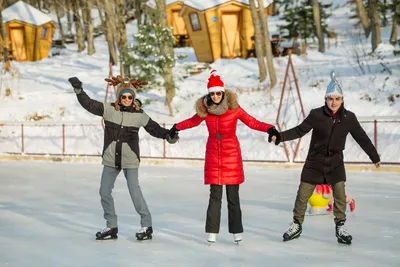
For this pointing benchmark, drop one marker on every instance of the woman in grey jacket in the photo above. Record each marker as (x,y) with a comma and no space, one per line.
(122,120)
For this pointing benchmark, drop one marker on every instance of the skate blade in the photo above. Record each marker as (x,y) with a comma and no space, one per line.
(288,239)
(144,238)
(106,238)
(340,241)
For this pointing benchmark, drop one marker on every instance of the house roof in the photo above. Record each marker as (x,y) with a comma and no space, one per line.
(202,5)
(152,3)
(23,12)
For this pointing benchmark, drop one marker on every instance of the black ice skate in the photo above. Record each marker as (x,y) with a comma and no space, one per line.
(342,235)
(293,231)
(107,233)
(145,233)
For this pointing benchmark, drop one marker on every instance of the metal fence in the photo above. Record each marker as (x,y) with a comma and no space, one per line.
(86,139)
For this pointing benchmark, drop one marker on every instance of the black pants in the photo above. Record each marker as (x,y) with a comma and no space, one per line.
(214,209)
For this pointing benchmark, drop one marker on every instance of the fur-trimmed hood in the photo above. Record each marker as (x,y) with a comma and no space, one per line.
(201,109)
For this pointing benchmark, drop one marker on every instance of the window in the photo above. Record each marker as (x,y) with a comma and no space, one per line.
(194,20)
(44,33)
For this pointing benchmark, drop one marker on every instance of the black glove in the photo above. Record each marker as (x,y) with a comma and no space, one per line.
(273,132)
(76,84)
(173,135)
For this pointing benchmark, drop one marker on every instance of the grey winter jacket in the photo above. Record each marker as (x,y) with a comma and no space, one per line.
(121,138)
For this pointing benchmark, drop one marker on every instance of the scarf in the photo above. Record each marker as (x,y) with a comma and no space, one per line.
(217,109)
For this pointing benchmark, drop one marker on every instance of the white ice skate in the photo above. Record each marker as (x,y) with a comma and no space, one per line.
(212,238)
(237,238)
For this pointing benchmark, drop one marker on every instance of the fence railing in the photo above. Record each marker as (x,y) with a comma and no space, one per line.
(86,139)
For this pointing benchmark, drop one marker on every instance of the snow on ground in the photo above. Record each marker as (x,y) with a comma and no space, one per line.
(49,217)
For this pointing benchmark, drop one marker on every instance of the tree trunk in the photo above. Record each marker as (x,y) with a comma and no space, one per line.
(318,29)
(138,11)
(80,38)
(4,37)
(69,9)
(100,8)
(375,27)
(267,44)
(122,41)
(363,16)
(395,27)
(88,24)
(166,50)
(258,41)
(110,29)
(61,30)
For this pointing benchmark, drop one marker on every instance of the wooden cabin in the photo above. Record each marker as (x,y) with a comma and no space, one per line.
(29,32)
(172,9)
(220,28)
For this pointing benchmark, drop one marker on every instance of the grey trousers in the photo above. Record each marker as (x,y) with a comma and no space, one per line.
(306,190)
(108,178)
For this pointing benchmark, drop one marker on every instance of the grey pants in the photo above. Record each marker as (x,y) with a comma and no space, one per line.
(306,190)
(108,178)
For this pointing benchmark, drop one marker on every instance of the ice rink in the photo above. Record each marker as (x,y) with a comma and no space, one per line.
(49,213)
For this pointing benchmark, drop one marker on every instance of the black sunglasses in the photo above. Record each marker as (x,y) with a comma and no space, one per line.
(129,97)
(219,93)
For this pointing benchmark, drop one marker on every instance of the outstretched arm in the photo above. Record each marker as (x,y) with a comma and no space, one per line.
(300,130)
(363,141)
(93,106)
(189,123)
(153,128)
(252,122)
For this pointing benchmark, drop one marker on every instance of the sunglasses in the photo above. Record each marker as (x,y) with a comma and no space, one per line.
(125,97)
(216,93)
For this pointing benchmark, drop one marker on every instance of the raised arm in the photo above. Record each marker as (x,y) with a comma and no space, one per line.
(300,130)
(252,122)
(93,106)
(358,133)
(189,123)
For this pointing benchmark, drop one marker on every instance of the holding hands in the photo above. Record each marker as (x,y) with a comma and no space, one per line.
(274,135)
(173,135)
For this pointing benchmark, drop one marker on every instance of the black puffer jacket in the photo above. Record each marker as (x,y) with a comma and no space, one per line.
(324,163)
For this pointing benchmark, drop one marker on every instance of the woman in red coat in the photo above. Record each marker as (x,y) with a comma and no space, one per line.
(223,162)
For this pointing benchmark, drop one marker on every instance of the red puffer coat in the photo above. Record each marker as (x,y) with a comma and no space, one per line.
(223,163)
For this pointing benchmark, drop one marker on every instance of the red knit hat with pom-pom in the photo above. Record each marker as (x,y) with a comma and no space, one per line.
(215,83)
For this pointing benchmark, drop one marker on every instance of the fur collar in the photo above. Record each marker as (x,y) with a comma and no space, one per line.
(201,109)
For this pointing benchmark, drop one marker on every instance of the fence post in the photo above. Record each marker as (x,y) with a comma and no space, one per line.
(63,139)
(22,138)
(164,145)
(376,134)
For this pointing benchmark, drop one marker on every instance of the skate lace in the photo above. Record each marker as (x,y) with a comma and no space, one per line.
(293,228)
(343,231)
(105,230)
(143,230)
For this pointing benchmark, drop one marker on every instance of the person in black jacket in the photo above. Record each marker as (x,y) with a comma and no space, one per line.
(122,121)
(331,124)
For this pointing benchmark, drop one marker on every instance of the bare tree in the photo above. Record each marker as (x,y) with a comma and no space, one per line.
(166,49)
(395,23)
(58,7)
(101,16)
(258,41)
(80,39)
(318,29)
(88,25)
(110,29)
(120,34)
(375,27)
(267,44)
(138,11)
(363,16)
(69,9)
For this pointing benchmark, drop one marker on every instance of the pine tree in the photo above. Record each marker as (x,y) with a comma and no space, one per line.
(145,58)
(300,21)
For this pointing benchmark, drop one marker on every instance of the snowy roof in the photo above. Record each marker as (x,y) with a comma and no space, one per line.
(26,13)
(206,4)
(152,3)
